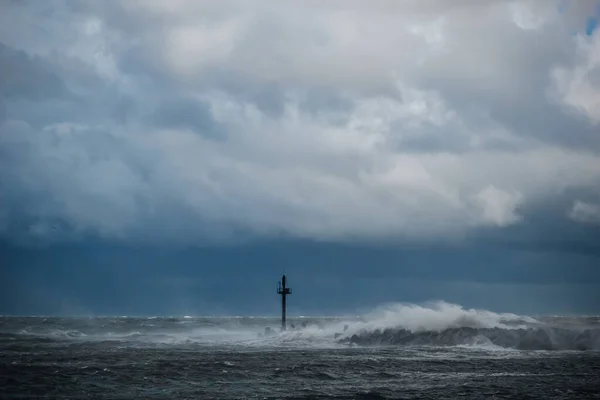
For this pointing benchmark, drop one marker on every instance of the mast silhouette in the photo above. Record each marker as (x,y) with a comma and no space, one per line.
(283,291)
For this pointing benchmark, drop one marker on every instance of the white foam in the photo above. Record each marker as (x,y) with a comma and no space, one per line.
(428,317)
(437,316)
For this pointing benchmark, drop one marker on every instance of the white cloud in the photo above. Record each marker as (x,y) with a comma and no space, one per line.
(498,207)
(585,212)
(191,48)
(579,86)
(430,118)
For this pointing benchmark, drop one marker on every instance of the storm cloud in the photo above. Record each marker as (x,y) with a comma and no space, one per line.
(168,157)
(192,121)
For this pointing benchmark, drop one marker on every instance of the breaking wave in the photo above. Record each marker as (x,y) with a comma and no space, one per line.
(521,339)
(443,324)
(430,324)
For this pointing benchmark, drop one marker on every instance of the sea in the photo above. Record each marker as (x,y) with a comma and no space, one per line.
(397,351)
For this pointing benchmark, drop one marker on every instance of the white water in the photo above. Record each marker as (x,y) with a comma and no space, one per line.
(435,320)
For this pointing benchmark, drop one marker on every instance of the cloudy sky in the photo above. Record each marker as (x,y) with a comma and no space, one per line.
(176,157)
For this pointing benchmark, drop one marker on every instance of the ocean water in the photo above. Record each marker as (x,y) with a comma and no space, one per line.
(397,351)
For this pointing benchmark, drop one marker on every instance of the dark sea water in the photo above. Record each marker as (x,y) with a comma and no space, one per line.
(400,351)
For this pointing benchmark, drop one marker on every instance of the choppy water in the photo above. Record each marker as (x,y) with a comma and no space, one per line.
(401,351)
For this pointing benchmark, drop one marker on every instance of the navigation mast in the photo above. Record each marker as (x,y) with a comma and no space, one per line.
(283,291)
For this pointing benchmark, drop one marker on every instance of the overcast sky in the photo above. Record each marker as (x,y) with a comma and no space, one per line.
(390,150)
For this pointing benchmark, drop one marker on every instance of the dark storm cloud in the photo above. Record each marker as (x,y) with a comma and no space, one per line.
(364,123)
(549,227)
(27,77)
(185,113)
(2,112)
(157,156)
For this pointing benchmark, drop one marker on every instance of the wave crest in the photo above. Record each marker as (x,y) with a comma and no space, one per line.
(522,339)
(444,324)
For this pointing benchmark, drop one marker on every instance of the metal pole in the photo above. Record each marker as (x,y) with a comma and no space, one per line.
(283,306)
(283,291)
